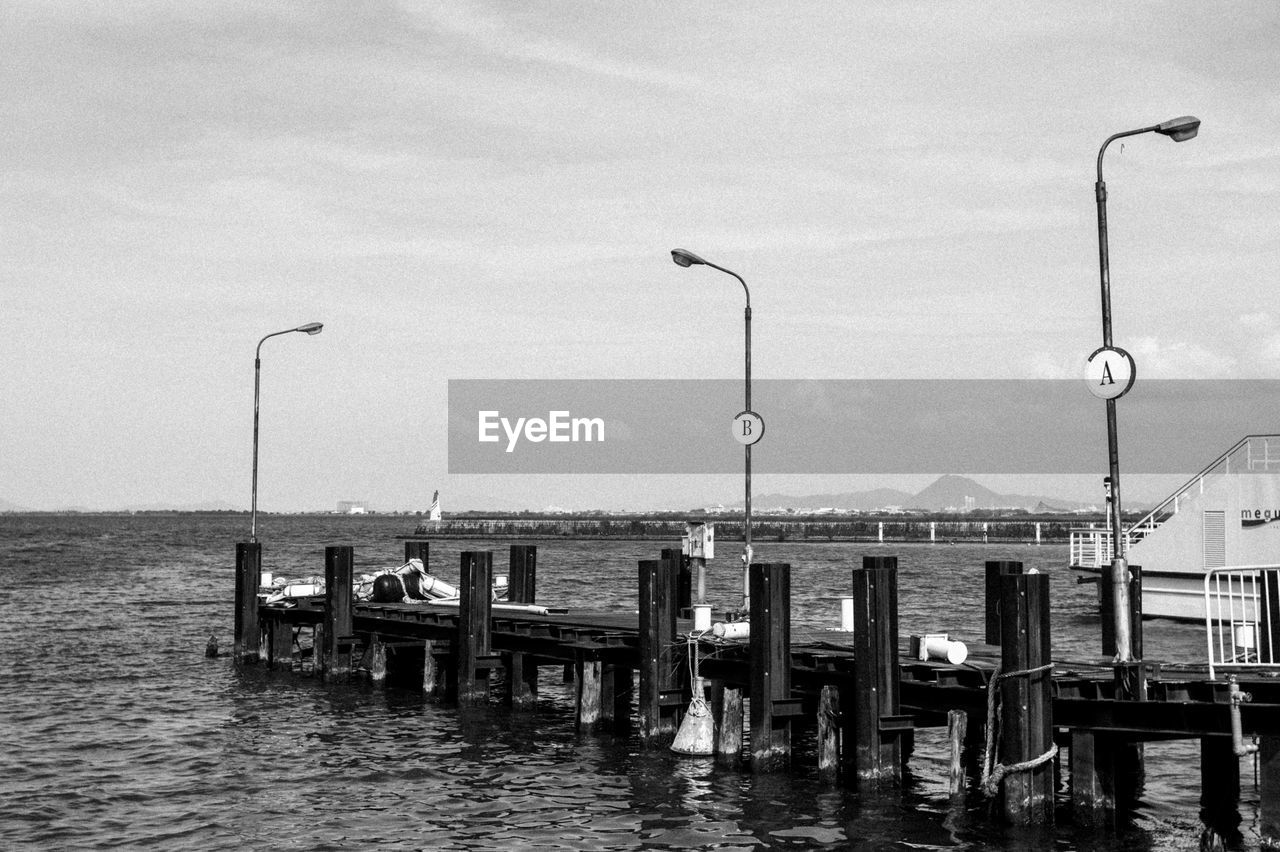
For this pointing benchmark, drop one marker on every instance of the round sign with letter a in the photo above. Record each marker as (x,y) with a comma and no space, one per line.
(1110,373)
(748,428)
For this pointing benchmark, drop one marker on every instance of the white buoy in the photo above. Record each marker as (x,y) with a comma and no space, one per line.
(846,614)
(942,647)
(264,579)
(732,629)
(697,734)
(702,617)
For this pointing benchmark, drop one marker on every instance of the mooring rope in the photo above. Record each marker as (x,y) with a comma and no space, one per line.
(993,772)
(698,705)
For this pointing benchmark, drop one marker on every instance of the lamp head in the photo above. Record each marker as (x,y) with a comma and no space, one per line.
(683,257)
(1180,129)
(311,327)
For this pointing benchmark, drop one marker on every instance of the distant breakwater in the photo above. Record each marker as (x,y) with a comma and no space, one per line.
(764,529)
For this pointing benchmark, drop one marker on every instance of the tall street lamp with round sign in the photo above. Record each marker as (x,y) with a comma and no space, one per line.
(1110,375)
(748,427)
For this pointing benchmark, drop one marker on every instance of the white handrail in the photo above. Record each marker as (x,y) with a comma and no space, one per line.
(1242,621)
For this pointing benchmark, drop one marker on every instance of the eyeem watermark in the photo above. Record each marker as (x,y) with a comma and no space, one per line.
(559,428)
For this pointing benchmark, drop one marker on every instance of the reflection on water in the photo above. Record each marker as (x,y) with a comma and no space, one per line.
(123,734)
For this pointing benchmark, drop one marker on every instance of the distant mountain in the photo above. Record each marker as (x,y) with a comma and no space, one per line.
(6,506)
(948,492)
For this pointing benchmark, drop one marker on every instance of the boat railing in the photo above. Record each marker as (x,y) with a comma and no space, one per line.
(1091,547)
(1251,454)
(1242,617)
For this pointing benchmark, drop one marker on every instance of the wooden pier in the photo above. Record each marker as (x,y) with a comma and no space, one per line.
(1013,714)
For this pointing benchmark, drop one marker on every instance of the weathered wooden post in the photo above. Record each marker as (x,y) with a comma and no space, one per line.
(589,679)
(522,581)
(684,579)
(957,730)
(829,734)
(280,644)
(1026,728)
(248,577)
(1269,791)
(434,678)
(995,569)
(1219,794)
(377,659)
(522,574)
(335,661)
(616,691)
(660,694)
(875,728)
(1093,778)
(475,582)
(726,709)
(418,550)
(771,703)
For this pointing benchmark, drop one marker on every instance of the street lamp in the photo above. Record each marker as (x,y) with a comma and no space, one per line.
(685,258)
(1179,129)
(309,328)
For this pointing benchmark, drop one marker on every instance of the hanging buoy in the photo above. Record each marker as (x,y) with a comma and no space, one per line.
(697,734)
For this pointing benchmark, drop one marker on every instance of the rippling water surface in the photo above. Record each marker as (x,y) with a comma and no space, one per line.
(119,733)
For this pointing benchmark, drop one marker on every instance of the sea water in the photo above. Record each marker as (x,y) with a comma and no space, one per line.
(118,732)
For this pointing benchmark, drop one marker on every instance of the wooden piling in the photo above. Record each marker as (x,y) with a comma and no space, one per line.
(377,660)
(522,574)
(661,693)
(772,705)
(726,709)
(616,691)
(433,677)
(875,727)
(248,577)
(684,577)
(418,550)
(995,568)
(280,645)
(957,729)
(1093,779)
(522,582)
(1026,726)
(335,661)
(590,675)
(475,583)
(829,734)
(1219,794)
(1269,791)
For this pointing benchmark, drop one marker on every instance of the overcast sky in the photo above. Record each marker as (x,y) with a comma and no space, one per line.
(491,190)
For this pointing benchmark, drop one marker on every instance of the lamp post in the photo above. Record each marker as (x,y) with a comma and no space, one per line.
(1179,129)
(685,258)
(309,328)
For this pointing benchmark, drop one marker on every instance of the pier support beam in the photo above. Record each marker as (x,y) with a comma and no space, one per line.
(248,576)
(1219,794)
(418,550)
(280,645)
(875,729)
(522,574)
(726,709)
(335,660)
(1026,731)
(772,706)
(522,582)
(1269,791)
(995,569)
(1093,779)
(661,694)
(435,677)
(829,734)
(589,677)
(957,734)
(475,583)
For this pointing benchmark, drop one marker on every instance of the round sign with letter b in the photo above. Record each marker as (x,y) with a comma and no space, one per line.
(748,428)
